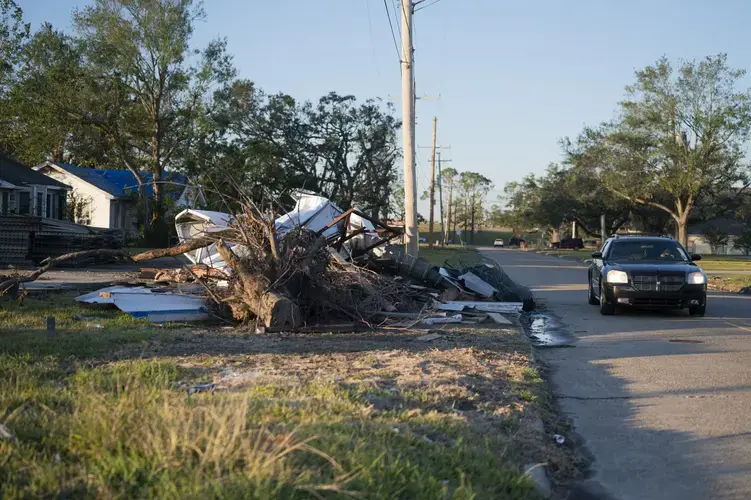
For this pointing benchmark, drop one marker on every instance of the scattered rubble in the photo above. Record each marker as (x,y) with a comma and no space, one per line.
(311,267)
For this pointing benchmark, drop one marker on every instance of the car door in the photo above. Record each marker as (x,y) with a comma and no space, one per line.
(596,268)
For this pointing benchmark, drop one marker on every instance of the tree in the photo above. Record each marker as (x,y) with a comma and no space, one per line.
(146,95)
(715,237)
(742,242)
(448,177)
(474,187)
(679,133)
(13,34)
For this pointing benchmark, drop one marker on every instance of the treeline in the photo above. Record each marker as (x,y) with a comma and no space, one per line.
(127,89)
(674,154)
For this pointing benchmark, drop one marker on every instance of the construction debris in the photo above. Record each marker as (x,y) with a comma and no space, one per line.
(311,269)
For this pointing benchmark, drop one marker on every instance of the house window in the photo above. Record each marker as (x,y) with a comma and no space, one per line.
(40,203)
(49,206)
(24,203)
(4,202)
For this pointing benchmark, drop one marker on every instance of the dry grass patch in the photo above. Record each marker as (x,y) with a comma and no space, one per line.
(288,416)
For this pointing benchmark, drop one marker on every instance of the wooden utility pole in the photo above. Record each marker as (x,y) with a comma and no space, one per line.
(440,201)
(408,131)
(432,183)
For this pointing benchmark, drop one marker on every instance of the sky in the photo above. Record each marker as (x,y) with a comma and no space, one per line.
(513,76)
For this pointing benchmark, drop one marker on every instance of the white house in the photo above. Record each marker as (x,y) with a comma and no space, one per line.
(23,191)
(109,198)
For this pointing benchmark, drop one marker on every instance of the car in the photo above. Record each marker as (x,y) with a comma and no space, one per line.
(516,241)
(650,272)
(422,239)
(498,242)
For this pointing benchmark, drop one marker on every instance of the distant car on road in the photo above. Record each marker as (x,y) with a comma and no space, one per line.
(422,239)
(646,272)
(498,242)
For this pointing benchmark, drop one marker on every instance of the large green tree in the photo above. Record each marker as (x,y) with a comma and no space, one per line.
(679,133)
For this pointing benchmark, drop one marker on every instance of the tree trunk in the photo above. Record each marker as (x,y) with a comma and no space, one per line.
(252,299)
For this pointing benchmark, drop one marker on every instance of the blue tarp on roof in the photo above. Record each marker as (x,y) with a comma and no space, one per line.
(119,183)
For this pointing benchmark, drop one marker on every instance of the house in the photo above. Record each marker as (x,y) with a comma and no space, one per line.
(24,191)
(698,243)
(109,198)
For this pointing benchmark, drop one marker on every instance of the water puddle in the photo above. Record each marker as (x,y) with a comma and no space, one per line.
(546,330)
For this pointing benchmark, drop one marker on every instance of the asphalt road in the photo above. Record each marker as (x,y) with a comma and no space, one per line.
(661,400)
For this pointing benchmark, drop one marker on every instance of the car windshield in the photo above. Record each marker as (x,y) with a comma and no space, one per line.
(662,251)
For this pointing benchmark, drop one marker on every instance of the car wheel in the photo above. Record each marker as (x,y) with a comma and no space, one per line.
(605,308)
(698,311)
(593,301)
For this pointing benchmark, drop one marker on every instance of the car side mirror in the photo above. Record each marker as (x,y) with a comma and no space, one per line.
(597,255)
(695,257)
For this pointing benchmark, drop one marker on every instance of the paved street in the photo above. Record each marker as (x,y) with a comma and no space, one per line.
(662,401)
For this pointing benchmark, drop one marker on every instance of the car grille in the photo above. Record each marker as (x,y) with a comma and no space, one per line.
(646,283)
(655,302)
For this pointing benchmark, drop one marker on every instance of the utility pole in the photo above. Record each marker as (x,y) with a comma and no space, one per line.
(408,131)
(603,234)
(432,183)
(440,199)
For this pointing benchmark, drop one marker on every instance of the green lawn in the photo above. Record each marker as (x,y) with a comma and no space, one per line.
(581,255)
(454,255)
(114,412)
(725,263)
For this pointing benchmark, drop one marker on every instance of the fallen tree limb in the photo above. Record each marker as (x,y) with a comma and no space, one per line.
(180,249)
(10,284)
(13,283)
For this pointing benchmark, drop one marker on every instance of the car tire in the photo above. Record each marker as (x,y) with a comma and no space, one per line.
(605,308)
(698,311)
(593,301)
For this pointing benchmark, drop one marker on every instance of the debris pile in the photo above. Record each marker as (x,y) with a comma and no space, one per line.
(314,266)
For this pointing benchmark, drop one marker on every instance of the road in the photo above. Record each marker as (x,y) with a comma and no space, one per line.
(661,401)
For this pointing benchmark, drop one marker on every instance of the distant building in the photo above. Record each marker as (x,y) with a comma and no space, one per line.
(24,191)
(109,198)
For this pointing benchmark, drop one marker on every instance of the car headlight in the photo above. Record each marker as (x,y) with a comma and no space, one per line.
(696,279)
(617,277)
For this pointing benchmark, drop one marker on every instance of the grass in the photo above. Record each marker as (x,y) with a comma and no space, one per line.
(580,255)
(290,416)
(729,283)
(456,256)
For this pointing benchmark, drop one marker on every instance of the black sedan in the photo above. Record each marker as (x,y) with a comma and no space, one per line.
(646,272)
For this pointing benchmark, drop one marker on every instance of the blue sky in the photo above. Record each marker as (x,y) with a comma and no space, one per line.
(514,76)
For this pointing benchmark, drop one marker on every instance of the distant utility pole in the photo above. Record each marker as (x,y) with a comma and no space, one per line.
(408,131)
(440,199)
(432,183)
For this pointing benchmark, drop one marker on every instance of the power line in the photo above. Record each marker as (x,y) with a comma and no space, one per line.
(391,25)
(372,40)
(426,5)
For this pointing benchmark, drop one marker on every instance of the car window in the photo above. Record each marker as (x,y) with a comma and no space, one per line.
(656,250)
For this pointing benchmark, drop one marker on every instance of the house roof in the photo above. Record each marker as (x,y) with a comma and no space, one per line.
(118,183)
(13,172)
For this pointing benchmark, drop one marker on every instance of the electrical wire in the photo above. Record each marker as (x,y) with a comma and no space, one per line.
(430,4)
(391,25)
(372,40)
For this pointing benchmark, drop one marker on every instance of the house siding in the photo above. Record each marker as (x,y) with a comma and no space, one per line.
(98,213)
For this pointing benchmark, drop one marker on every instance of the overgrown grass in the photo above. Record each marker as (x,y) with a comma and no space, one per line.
(435,423)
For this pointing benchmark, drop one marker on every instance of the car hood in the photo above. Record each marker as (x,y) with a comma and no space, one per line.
(654,267)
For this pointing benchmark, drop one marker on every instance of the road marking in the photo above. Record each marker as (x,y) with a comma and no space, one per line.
(744,328)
